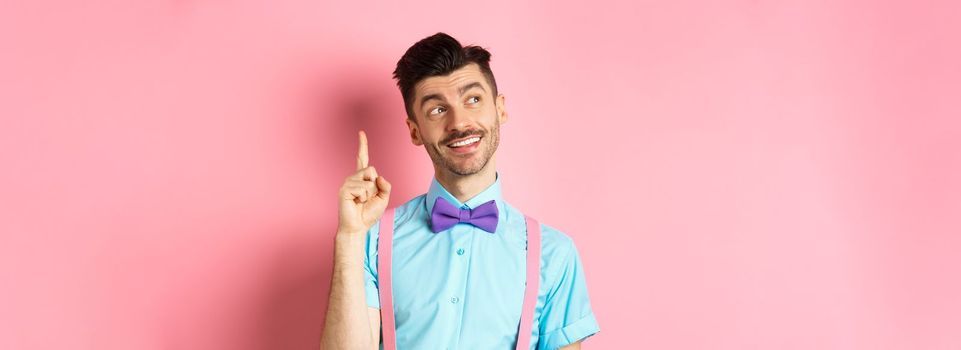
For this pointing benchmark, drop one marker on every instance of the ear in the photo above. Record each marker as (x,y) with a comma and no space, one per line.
(501,111)
(414,134)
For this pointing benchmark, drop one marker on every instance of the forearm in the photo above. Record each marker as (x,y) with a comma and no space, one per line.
(347,325)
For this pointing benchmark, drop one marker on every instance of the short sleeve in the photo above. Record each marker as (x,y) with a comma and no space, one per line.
(370,267)
(567,317)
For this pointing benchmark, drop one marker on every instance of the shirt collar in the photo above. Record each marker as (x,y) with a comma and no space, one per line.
(493,192)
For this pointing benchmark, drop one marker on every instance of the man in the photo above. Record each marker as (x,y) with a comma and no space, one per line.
(459,285)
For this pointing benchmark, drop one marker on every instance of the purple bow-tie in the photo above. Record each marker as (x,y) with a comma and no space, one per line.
(444,215)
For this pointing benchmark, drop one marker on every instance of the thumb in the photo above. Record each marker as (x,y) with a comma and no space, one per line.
(383,187)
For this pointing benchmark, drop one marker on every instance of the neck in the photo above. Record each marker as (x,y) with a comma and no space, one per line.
(465,187)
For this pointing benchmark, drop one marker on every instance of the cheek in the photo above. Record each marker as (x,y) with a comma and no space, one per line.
(431,136)
(489,119)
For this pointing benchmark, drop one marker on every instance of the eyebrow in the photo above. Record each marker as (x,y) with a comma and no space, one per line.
(461,90)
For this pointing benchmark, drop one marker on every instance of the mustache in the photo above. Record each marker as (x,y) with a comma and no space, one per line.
(463,134)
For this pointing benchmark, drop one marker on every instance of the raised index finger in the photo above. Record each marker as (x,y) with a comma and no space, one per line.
(362,152)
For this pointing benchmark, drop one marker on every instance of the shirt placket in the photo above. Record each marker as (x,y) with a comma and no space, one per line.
(457,285)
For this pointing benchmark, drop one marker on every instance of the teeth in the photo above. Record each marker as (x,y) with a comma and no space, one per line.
(465,142)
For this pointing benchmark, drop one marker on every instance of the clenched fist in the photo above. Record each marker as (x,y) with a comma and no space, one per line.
(363,197)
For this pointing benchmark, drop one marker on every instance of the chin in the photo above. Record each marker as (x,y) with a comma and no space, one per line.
(471,167)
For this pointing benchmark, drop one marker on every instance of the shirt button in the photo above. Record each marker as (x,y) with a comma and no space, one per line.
(460,251)
(454,300)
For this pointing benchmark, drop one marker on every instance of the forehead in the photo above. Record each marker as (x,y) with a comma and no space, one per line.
(444,84)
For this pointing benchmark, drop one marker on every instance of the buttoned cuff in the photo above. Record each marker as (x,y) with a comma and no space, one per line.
(570,334)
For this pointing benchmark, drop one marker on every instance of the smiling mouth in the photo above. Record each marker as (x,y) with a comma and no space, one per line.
(464,142)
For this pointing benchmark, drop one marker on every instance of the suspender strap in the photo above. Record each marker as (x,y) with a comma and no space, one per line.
(533,280)
(384,286)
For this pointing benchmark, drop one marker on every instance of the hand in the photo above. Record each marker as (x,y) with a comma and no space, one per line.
(363,196)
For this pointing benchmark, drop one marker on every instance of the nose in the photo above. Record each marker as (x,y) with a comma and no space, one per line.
(457,119)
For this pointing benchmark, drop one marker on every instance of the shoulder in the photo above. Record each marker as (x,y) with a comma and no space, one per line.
(402,213)
(555,244)
(560,262)
(412,209)
(558,250)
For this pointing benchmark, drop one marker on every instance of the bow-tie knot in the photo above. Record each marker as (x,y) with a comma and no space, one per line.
(444,215)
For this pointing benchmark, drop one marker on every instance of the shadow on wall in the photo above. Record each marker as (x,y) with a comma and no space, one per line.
(360,98)
(340,101)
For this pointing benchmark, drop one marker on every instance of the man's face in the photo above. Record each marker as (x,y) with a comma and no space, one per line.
(457,120)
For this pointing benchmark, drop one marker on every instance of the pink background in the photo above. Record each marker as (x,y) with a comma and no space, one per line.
(748,175)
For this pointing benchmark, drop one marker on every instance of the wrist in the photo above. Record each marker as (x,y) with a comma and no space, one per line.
(350,237)
(341,231)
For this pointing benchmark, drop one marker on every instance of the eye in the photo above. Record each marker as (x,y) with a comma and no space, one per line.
(473,99)
(436,110)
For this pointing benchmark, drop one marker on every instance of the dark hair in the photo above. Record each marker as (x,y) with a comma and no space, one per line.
(437,55)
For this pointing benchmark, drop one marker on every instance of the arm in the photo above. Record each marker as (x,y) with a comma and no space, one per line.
(575,346)
(568,319)
(350,323)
